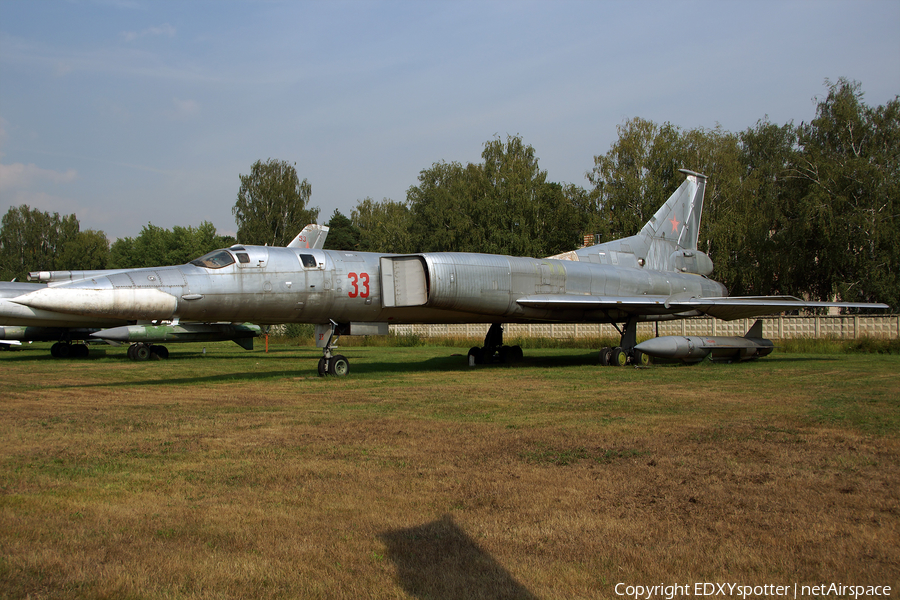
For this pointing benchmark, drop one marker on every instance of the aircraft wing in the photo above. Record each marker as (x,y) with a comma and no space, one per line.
(630,304)
(727,308)
(739,307)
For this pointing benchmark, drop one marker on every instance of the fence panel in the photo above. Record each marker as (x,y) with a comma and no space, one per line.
(776,328)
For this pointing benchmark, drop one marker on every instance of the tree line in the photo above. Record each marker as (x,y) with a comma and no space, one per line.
(803,209)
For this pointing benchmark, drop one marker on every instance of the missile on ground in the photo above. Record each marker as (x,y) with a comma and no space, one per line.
(240,333)
(717,348)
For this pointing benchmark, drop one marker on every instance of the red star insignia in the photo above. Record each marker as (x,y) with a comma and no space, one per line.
(675,223)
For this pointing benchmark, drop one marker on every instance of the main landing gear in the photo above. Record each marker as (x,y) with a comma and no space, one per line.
(330,363)
(494,351)
(67,349)
(142,351)
(625,354)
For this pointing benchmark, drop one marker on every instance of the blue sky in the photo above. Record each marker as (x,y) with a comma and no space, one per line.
(126,112)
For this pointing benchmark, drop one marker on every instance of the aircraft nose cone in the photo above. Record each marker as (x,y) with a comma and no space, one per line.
(662,347)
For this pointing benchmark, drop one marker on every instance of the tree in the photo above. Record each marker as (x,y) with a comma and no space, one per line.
(271,205)
(756,229)
(441,208)
(87,250)
(504,205)
(518,211)
(32,240)
(384,226)
(627,189)
(156,246)
(846,222)
(342,233)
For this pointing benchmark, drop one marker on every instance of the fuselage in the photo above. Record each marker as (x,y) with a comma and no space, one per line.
(283,285)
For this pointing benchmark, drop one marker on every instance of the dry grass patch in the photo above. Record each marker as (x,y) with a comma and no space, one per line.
(238,476)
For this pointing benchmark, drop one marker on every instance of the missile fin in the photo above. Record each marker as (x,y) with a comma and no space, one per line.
(756,331)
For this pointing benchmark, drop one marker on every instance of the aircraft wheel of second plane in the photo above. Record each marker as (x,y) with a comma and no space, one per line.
(160,351)
(139,352)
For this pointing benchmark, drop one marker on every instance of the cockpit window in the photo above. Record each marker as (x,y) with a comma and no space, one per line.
(214,260)
(308,260)
(243,257)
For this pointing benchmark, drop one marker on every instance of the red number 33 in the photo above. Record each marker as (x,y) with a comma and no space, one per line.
(355,280)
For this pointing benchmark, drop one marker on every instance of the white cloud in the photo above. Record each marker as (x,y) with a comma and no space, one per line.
(20,175)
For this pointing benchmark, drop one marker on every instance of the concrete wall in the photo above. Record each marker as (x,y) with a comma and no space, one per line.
(780,327)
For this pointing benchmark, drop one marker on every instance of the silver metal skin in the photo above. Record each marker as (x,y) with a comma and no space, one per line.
(656,275)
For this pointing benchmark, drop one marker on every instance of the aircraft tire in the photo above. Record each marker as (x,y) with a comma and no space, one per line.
(619,357)
(476,356)
(516,354)
(130,351)
(63,350)
(54,350)
(160,351)
(605,356)
(322,370)
(642,359)
(338,366)
(141,352)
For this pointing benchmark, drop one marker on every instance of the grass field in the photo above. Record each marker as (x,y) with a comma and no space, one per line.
(236,474)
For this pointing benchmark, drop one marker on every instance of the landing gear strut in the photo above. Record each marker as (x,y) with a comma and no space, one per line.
(333,364)
(494,351)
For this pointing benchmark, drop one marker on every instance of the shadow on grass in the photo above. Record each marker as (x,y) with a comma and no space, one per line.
(438,560)
(301,364)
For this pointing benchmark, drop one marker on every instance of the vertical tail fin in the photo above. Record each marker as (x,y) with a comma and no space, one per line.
(667,242)
(312,236)
(678,220)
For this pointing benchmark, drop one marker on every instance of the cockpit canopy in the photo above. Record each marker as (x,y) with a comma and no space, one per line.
(224,257)
(214,260)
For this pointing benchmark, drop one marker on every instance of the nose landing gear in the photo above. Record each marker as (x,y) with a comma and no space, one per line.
(330,363)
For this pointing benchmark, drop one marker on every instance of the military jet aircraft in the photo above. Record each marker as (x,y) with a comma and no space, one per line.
(22,323)
(656,275)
